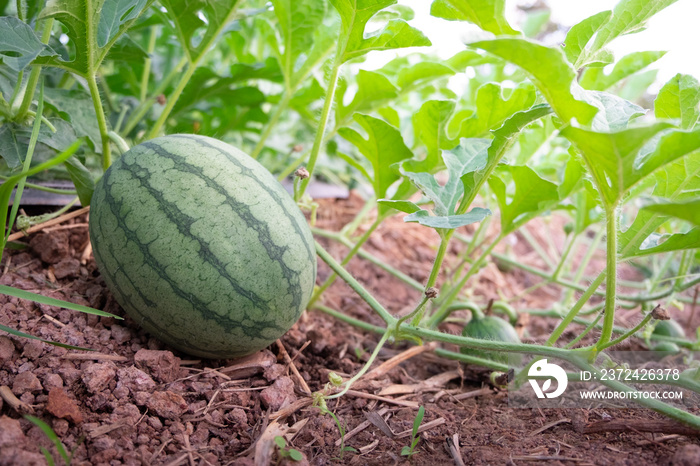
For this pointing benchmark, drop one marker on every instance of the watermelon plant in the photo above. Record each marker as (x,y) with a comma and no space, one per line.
(198,241)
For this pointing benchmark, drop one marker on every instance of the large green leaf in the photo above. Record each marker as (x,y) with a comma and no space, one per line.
(373,90)
(82,179)
(384,147)
(93,27)
(658,244)
(19,46)
(628,16)
(580,34)
(493,107)
(614,158)
(595,77)
(549,70)
(489,15)
(430,127)
(678,99)
(196,35)
(298,20)
(421,73)
(614,113)
(469,156)
(355,14)
(677,181)
(532,195)
(450,222)
(687,210)
(76,106)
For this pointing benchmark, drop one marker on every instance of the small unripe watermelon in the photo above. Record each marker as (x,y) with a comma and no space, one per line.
(668,328)
(202,246)
(491,328)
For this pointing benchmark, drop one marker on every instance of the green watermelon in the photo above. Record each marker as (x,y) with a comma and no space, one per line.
(202,246)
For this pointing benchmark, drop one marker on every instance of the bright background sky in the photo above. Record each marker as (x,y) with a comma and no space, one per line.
(675,30)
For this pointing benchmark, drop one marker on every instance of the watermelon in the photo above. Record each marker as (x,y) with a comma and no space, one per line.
(491,328)
(202,246)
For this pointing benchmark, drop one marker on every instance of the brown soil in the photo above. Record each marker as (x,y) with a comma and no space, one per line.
(134,401)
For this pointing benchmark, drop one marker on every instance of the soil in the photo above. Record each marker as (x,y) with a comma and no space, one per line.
(135,401)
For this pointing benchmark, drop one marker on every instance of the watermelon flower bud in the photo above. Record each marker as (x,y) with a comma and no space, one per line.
(302,173)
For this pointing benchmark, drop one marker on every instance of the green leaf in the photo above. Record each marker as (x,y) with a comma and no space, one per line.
(676,182)
(450,222)
(49,432)
(12,331)
(493,108)
(404,206)
(678,99)
(76,106)
(549,70)
(430,127)
(82,179)
(91,44)
(113,14)
(41,299)
(677,242)
(614,113)
(12,149)
(687,210)
(628,16)
(298,21)
(383,147)
(580,34)
(421,73)
(532,195)
(355,14)
(197,36)
(595,78)
(489,15)
(612,158)
(417,421)
(469,156)
(19,46)
(373,90)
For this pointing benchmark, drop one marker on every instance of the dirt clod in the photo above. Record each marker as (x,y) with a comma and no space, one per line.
(166,404)
(26,382)
(164,366)
(67,267)
(51,248)
(279,394)
(63,406)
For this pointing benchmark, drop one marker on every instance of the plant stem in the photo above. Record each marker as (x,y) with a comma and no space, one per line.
(439,258)
(575,310)
(564,256)
(369,257)
(536,246)
(585,332)
(147,64)
(611,273)
(145,106)
(47,189)
(34,75)
(172,100)
(119,141)
(101,121)
(329,281)
(322,123)
(279,111)
(628,334)
(364,369)
(443,311)
(355,285)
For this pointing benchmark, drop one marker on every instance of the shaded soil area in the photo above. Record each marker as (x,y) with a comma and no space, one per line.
(134,401)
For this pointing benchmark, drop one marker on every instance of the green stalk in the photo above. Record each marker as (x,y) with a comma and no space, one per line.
(101,121)
(611,273)
(565,256)
(34,75)
(443,311)
(329,281)
(575,310)
(585,332)
(536,246)
(350,228)
(322,123)
(279,111)
(27,164)
(364,369)
(355,285)
(369,257)
(439,258)
(46,189)
(172,99)
(147,64)
(143,108)
(628,334)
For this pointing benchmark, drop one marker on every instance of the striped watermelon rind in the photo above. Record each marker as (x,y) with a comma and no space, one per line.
(202,246)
